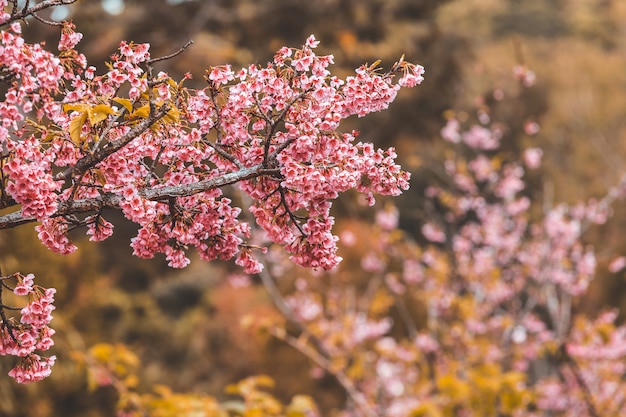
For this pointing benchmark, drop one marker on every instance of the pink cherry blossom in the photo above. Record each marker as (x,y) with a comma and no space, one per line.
(221,74)
(532,157)
(617,264)
(32,369)
(126,139)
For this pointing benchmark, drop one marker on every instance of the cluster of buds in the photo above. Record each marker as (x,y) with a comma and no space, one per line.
(31,333)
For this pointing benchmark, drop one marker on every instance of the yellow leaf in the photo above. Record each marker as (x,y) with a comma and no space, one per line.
(381,302)
(128,105)
(76,127)
(262,381)
(375,64)
(101,351)
(455,389)
(162,390)
(173,115)
(99,113)
(99,176)
(49,137)
(79,107)
(142,111)
(131,381)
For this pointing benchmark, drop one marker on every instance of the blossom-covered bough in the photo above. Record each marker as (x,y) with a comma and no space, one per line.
(76,144)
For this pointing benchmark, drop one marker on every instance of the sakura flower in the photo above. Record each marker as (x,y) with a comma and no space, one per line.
(451,131)
(481,138)
(617,264)
(33,368)
(311,42)
(532,157)
(387,219)
(69,38)
(433,233)
(25,285)
(221,75)
(412,77)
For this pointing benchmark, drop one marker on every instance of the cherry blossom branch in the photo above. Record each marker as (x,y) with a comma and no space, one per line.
(274,124)
(6,323)
(31,10)
(110,200)
(228,156)
(100,154)
(153,160)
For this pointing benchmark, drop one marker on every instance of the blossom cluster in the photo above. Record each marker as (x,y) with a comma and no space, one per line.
(163,153)
(32,333)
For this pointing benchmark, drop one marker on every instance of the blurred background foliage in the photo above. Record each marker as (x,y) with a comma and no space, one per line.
(185,325)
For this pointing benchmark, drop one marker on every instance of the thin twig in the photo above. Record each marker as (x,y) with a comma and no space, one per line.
(30,11)
(228,156)
(274,125)
(172,55)
(47,22)
(580,381)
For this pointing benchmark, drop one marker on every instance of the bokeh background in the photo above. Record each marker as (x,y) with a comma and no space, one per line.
(185,325)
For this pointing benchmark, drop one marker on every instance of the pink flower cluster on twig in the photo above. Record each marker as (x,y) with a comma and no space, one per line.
(32,333)
(162,154)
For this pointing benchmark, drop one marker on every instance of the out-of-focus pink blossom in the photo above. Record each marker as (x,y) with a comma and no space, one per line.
(532,157)
(481,138)
(426,343)
(372,263)
(433,233)
(348,238)
(524,75)
(451,132)
(238,280)
(531,127)
(617,264)
(387,219)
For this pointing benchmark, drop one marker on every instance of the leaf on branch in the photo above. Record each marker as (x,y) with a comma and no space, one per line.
(79,107)
(172,116)
(99,113)
(76,127)
(142,112)
(95,114)
(128,105)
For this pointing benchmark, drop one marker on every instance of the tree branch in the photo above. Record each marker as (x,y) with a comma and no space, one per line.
(28,11)
(91,160)
(170,56)
(154,194)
